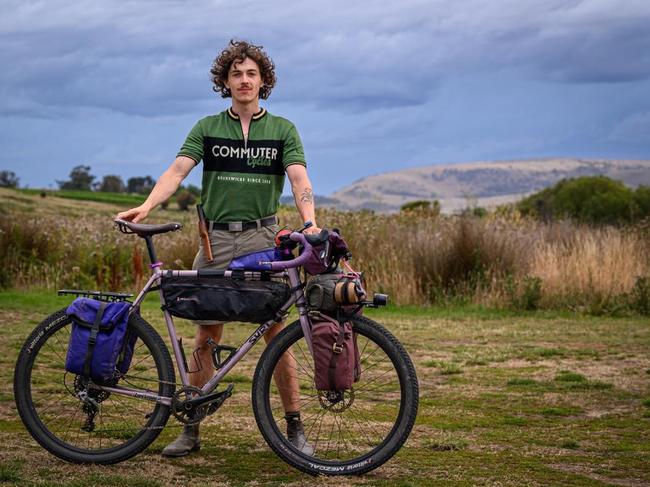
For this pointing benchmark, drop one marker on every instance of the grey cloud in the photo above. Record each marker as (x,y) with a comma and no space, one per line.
(152,58)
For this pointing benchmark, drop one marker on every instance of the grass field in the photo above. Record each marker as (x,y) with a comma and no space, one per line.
(505,399)
(120,199)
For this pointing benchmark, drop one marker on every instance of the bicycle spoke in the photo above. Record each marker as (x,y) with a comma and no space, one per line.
(371,381)
(344,425)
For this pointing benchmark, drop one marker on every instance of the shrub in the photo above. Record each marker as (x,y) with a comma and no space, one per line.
(8,179)
(589,199)
(421,207)
(525,295)
(185,199)
(112,184)
(641,296)
(80,179)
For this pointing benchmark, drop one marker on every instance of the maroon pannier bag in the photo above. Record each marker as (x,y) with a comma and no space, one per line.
(336,355)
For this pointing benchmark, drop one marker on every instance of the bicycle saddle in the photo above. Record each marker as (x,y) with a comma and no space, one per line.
(145,230)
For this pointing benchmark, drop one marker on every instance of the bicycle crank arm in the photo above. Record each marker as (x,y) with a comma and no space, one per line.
(214,397)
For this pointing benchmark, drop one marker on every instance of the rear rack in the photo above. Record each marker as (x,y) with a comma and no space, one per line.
(100,295)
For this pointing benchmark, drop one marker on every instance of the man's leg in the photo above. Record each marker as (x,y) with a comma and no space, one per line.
(286,378)
(285,375)
(188,441)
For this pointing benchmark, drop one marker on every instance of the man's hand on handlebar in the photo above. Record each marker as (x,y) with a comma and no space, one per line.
(134,215)
(312,229)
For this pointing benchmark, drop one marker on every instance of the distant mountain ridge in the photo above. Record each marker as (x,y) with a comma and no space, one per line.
(485,184)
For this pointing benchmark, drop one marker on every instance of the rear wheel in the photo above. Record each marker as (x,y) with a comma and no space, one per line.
(85,424)
(351,431)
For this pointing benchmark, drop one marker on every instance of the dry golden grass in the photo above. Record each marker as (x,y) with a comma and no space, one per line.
(417,257)
(604,262)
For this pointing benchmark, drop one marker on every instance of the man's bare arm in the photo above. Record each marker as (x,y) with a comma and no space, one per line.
(165,187)
(303,194)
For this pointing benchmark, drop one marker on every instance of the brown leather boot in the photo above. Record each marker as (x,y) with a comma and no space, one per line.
(296,434)
(187,442)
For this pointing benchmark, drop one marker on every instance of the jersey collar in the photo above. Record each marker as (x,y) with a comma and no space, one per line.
(257,116)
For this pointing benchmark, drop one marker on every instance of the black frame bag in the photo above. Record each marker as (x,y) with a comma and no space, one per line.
(223,299)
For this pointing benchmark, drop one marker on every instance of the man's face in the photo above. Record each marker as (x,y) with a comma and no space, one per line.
(244,81)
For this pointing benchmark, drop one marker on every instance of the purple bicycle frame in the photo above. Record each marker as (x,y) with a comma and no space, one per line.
(288,269)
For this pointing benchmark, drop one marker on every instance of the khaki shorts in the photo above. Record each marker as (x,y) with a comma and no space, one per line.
(228,245)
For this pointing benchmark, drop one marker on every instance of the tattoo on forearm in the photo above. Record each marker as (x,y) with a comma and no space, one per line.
(307,196)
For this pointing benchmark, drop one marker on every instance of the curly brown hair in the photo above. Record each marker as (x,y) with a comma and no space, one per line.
(236,52)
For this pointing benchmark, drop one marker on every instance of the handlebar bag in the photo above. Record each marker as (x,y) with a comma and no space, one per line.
(326,250)
(101,345)
(337,364)
(223,299)
(255,261)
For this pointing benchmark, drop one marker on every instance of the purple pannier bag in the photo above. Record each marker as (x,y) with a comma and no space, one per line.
(336,355)
(100,346)
(256,261)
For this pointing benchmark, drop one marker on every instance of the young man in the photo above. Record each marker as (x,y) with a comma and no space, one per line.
(246,152)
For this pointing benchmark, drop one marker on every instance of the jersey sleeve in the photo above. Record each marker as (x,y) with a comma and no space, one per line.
(293,151)
(193,145)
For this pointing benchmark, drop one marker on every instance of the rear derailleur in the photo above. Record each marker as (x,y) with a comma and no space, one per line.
(90,398)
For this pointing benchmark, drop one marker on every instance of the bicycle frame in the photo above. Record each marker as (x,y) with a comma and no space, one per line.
(297,297)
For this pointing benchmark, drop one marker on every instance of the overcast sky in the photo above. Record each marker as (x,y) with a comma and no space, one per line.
(371,86)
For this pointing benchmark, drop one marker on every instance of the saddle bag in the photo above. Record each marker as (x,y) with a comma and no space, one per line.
(336,355)
(101,344)
(223,299)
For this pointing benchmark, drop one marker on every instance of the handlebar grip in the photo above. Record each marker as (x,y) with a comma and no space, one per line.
(281,265)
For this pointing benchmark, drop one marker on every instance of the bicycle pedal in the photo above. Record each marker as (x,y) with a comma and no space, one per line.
(216,404)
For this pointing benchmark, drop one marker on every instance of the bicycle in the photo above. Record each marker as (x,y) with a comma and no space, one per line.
(351,432)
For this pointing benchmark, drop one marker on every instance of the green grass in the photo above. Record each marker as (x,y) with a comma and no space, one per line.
(113,198)
(505,399)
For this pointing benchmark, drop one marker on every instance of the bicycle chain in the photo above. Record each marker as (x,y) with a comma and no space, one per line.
(166,425)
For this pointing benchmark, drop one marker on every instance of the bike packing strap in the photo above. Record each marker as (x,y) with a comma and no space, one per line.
(101,344)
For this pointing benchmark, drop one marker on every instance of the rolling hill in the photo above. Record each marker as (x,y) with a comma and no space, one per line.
(485,184)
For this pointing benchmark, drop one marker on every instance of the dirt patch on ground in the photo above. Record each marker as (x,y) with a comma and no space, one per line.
(588,472)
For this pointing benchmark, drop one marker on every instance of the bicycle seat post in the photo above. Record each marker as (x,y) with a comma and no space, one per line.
(151,250)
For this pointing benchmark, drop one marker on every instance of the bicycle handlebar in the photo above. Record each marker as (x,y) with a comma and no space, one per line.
(280,265)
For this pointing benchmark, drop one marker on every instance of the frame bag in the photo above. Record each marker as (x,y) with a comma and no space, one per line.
(336,355)
(223,299)
(101,345)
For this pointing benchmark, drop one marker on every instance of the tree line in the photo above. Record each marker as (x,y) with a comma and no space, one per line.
(593,200)
(81,179)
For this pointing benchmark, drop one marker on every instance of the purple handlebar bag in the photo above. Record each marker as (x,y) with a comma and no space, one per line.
(100,346)
(320,256)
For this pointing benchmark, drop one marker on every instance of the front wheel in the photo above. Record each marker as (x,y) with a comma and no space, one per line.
(354,431)
(83,424)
